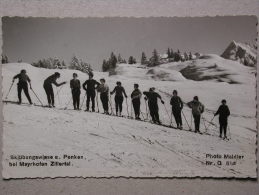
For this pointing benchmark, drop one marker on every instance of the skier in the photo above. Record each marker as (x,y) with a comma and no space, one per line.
(119,92)
(223,112)
(152,96)
(23,85)
(76,91)
(197,109)
(135,98)
(177,106)
(90,91)
(104,91)
(52,79)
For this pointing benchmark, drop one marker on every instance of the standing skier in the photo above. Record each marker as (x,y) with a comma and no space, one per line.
(152,96)
(90,91)
(135,97)
(197,109)
(52,79)
(104,92)
(177,106)
(23,85)
(223,112)
(119,92)
(76,91)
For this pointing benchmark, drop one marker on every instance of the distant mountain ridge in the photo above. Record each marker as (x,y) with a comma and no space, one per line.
(241,52)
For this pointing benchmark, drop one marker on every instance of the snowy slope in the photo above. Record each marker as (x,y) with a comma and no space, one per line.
(122,147)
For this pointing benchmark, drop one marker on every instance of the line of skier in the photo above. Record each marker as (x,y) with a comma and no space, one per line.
(151,98)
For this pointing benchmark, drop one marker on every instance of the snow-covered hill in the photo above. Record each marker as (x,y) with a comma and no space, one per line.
(122,147)
(240,52)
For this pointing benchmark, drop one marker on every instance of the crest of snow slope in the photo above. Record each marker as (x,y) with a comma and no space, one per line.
(214,68)
(241,52)
(138,71)
(128,147)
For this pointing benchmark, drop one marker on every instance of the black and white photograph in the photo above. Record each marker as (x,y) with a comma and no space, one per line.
(129,97)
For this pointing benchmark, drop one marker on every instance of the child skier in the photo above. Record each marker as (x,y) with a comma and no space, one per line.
(135,98)
(52,79)
(23,85)
(104,91)
(177,106)
(152,96)
(197,109)
(119,92)
(76,91)
(223,112)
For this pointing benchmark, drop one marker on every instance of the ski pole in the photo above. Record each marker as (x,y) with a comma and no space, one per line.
(146,109)
(131,109)
(57,94)
(83,101)
(204,123)
(127,106)
(229,132)
(68,103)
(210,123)
(111,105)
(186,120)
(171,119)
(167,113)
(191,120)
(37,96)
(9,91)
(58,90)
(97,102)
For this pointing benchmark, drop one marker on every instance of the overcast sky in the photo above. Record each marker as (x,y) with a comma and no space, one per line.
(93,39)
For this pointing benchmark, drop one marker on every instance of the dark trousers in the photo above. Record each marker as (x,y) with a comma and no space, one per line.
(90,96)
(178,117)
(104,98)
(23,86)
(76,98)
(50,94)
(153,109)
(223,124)
(118,103)
(197,119)
(136,106)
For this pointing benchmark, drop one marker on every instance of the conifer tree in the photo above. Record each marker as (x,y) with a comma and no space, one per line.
(143,58)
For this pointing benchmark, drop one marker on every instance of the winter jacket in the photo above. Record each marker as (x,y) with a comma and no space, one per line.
(223,112)
(176,103)
(51,79)
(23,78)
(103,88)
(197,107)
(152,97)
(119,91)
(136,94)
(75,84)
(90,83)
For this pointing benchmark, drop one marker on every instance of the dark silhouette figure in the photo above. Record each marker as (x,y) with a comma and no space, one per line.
(23,85)
(76,91)
(52,79)
(223,112)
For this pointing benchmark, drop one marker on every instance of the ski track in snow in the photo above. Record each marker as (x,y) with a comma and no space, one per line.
(116,146)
